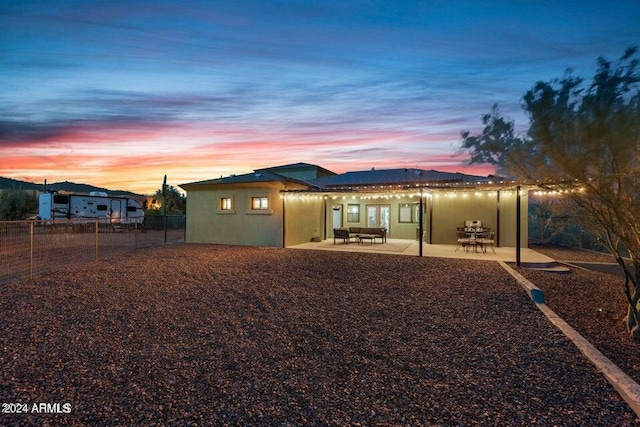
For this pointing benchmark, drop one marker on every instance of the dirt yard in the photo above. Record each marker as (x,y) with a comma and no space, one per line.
(212,335)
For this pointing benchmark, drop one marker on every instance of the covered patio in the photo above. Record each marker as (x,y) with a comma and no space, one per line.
(529,257)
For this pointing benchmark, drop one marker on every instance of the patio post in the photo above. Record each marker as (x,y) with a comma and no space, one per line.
(421,220)
(518,243)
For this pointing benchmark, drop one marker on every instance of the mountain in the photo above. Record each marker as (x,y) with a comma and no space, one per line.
(14,184)
(72,187)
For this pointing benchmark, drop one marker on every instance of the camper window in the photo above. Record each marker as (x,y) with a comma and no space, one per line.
(102,207)
(59,199)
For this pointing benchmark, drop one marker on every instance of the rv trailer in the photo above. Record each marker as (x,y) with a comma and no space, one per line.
(114,210)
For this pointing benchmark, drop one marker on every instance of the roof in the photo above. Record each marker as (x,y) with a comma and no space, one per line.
(395,177)
(257,176)
(350,180)
(296,167)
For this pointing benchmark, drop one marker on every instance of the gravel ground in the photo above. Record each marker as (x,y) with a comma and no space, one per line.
(592,302)
(213,335)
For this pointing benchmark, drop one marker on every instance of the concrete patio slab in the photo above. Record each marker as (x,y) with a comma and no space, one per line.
(528,256)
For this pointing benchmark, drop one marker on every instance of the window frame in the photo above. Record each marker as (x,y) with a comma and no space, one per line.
(220,208)
(412,210)
(226,203)
(353,217)
(264,206)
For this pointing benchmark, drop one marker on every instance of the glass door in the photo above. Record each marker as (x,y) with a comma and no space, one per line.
(378,216)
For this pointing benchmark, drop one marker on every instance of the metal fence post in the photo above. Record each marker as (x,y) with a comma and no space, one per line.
(31,249)
(97,225)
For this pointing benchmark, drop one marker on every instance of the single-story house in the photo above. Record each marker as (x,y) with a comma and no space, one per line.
(292,204)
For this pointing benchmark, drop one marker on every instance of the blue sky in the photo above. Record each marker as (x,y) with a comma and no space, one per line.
(120,93)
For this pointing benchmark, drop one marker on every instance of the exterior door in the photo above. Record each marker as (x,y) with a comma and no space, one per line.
(115,209)
(378,216)
(336,218)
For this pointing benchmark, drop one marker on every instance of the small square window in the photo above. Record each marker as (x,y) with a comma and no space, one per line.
(353,213)
(226,204)
(259,203)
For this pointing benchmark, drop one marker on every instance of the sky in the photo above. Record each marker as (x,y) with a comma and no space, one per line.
(119,93)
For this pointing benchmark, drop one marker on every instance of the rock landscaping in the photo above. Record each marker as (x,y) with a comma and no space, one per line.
(211,335)
(592,302)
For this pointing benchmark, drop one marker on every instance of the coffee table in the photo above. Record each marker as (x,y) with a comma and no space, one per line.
(370,237)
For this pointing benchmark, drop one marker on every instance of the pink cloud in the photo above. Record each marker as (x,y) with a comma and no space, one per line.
(136,159)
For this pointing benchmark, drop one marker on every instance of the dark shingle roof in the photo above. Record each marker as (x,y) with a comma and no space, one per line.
(297,166)
(395,177)
(262,176)
(349,180)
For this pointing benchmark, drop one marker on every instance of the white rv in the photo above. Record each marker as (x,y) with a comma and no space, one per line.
(77,207)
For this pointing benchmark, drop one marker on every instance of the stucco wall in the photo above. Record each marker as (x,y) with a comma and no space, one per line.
(508,219)
(451,210)
(310,216)
(397,229)
(207,223)
(303,219)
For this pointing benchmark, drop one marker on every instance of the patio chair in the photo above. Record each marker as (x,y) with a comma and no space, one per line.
(489,240)
(463,240)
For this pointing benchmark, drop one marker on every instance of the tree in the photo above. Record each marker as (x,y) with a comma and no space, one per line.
(588,135)
(497,142)
(176,202)
(17,205)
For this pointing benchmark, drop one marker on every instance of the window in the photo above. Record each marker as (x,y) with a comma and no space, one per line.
(353,213)
(405,212)
(409,212)
(102,207)
(225,204)
(59,199)
(259,203)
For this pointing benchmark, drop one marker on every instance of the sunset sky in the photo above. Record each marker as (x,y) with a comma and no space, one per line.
(119,93)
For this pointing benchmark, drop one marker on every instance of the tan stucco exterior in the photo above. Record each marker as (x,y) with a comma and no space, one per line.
(303,219)
(293,208)
(443,212)
(240,225)
(496,209)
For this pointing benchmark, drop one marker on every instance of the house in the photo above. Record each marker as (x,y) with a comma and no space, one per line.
(292,204)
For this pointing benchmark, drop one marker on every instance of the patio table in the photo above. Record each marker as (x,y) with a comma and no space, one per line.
(476,237)
(370,237)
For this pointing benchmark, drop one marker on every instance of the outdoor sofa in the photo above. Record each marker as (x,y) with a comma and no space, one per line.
(346,234)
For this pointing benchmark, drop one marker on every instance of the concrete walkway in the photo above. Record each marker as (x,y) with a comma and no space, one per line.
(528,256)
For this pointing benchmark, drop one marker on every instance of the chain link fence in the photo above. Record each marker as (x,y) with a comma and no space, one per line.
(29,248)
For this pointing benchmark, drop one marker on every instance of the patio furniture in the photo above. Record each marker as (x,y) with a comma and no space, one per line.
(378,232)
(463,239)
(488,240)
(370,237)
(475,236)
(344,234)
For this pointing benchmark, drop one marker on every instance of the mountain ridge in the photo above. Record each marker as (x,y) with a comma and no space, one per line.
(72,187)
